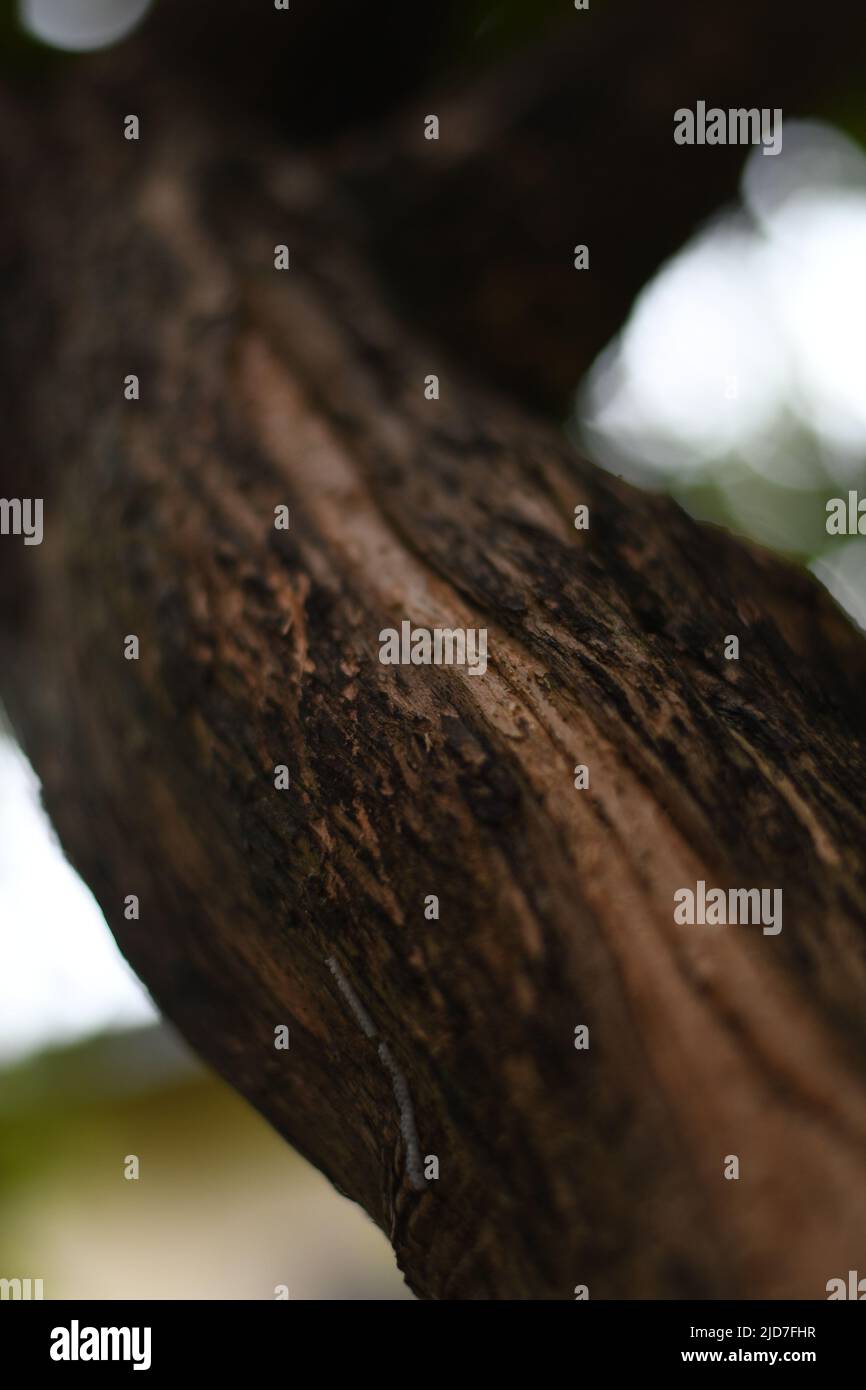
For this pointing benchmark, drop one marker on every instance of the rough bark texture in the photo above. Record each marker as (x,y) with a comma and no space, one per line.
(259,647)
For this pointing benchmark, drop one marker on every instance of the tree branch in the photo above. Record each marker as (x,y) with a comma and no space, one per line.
(413,1037)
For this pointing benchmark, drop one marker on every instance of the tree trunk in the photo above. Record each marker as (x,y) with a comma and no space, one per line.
(412,1035)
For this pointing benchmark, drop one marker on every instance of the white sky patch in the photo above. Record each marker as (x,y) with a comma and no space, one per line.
(815,265)
(61,974)
(843,572)
(759,318)
(81,25)
(701,364)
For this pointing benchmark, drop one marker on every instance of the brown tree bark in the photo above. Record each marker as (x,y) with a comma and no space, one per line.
(306,907)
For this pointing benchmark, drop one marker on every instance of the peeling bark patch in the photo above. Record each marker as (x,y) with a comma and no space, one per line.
(402,1095)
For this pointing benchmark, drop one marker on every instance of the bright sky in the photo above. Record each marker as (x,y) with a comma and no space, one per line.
(761,314)
(80,25)
(61,975)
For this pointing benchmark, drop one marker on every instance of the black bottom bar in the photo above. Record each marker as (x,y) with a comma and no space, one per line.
(255,1339)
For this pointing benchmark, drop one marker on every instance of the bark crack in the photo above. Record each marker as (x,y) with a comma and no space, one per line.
(402,1095)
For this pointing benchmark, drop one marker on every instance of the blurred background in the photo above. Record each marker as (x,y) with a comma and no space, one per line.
(222,1208)
(738,384)
(739,381)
